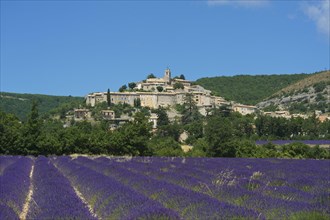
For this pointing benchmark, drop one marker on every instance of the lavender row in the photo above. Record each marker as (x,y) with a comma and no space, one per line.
(190,204)
(15,182)
(53,197)
(303,181)
(109,198)
(246,192)
(281,177)
(176,173)
(5,161)
(282,142)
(273,171)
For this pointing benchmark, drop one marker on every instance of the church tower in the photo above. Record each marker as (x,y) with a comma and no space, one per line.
(167,76)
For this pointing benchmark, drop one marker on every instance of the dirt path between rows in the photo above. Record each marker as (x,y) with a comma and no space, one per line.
(26,206)
(90,209)
(80,196)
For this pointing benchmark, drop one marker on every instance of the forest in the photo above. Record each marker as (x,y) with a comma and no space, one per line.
(221,133)
(20,104)
(249,89)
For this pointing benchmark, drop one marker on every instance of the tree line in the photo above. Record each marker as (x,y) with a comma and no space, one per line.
(221,133)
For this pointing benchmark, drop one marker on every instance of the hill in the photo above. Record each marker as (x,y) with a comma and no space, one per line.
(306,95)
(249,89)
(20,104)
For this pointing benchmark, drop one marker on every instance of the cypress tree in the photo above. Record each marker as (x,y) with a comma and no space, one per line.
(108,98)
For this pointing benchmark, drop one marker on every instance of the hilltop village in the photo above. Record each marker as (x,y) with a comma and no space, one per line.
(167,92)
(163,92)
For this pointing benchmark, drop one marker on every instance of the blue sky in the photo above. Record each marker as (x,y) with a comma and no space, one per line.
(78,47)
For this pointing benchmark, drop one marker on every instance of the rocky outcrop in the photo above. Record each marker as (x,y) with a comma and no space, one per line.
(305,97)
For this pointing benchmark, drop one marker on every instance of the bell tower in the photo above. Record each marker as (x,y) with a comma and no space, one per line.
(167,76)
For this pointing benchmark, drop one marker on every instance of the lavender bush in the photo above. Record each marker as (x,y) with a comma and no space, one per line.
(190,204)
(14,186)
(109,198)
(53,196)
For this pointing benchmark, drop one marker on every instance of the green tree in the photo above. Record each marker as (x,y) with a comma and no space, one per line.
(296,150)
(218,132)
(132,137)
(118,143)
(99,139)
(137,103)
(49,144)
(165,146)
(10,134)
(246,149)
(200,148)
(160,88)
(122,88)
(295,127)
(151,76)
(317,152)
(190,111)
(243,127)
(311,127)
(49,141)
(132,85)
(195,131)
(162,116)
(108,98)
(325,129)
(182,77)
(178,86)
(76,139)
(171,130)
(32,131)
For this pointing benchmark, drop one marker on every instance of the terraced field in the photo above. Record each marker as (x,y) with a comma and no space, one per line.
(163,188)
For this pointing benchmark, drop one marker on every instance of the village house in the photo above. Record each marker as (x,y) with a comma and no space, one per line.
(277,114)
(323,118)
(82,114)
(244,109)
(153,119)
(108,114)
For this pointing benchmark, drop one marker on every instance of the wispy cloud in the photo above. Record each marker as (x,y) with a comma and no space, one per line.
(239,3)
(319,13)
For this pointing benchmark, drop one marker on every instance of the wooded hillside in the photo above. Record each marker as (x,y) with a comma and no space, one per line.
(249,89)
(20,104)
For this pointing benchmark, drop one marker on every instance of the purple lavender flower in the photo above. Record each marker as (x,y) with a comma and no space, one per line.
(14,183)
(53,197)
(108,197)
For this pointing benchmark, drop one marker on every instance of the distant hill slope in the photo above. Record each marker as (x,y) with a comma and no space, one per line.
(20,104)
(306,95)
(249,89)
(305,83)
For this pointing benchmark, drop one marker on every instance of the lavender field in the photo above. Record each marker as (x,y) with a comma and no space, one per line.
(324,143)
(163,188)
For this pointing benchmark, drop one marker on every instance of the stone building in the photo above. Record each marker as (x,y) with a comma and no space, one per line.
(108,114)
(244,109)
(168,97)
(82,114)
(153,119)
